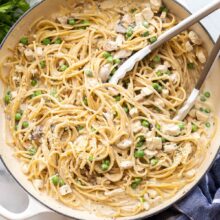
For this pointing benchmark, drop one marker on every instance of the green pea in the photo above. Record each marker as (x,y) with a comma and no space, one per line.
(129,32)
(157,87)
(88,73)
(158,127)
(90,158)
(207,94)
(202,99)
(139,153)
(117,98)
(71,21)
(63,68)
(157,59)
(79,127)
(159,73)
(110,59)
(61,182)
(85,22)
(136,182)
(163,9)
(104,167)
(46,41)
(58,41)
(55,180)
(145,24)
(117,61)
(181,126)
(207,124)
(194,128)
(145,123)
(33,82)
(145,34)
(25,124)
(191,66)
(42,64)
(32,151)
(153,39)
(141,141)
(163,139)
(201,109)
(168,72)
(207,110)
(126,109)
(36,93)
(154,161)
(17,116)
(106,54)
(133,10)
(8,98)
(85,100)
(24,40)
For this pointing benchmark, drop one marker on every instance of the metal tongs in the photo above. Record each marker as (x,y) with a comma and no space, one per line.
(183,25)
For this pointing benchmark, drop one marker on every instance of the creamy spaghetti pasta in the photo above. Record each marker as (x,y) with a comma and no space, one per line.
(83,140)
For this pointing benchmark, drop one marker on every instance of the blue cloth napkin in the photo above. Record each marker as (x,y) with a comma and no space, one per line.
(203,203)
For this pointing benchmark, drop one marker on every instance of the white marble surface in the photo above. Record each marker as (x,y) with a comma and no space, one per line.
(15,199)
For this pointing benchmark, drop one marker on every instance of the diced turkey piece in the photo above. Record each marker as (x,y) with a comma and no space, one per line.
(124,144)
(120,40)
(152,193)
(19,68)
(188,46)
(165,92)
(159,103)
(136,126)
(174,77)
(194,38)
(114,192)
(25,168)
(119,28)
(201,56)
(169,147)
(92,82)
(146,205)
(38,183)
(110,45)
(163,15)
(150,153)
(139,19)
(167,63)
(147,14)
(62,20)
(105,72)
(65,189)
(162,68)
(113,91)
(29,54)
(81,141)
(144,92)
(126,19)
(126,164)
(171,129)
(122,54)
(39,51)
(107,4)
(133,112)
(108,115)
(34,71)
(156,4)
(14,94)
(154,143)
(41,165)
(202,116)
(190,173)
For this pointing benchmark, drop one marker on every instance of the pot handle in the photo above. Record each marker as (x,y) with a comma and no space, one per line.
(33,208)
